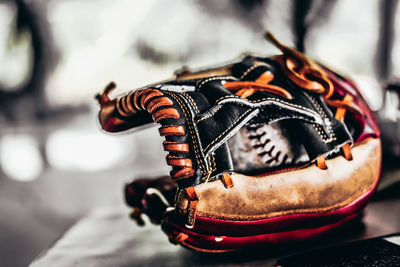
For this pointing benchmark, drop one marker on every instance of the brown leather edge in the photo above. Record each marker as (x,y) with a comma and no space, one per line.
(348,201)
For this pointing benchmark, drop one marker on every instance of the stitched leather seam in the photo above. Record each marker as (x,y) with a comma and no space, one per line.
(323,135)
(194,137)
(320,130)
(215,165)
(185,164)
(215,79)
(218,107)
(215,111)
(191,130)
(212,169)
(233,125)
(205,117)
(188,97)
(209,164)
(265,99)
(250,69)
(317,128)
(274,214)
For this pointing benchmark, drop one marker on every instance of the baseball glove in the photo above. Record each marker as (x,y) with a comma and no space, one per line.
(263,151)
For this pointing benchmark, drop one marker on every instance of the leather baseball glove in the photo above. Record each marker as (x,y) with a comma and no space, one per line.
(263,151)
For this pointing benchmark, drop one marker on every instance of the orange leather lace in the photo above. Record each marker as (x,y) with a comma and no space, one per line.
(306,74)
(159,107)
(310,76)
(247,88)
(192,205)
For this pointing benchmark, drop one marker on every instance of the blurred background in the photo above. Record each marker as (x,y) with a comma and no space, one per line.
(56,164)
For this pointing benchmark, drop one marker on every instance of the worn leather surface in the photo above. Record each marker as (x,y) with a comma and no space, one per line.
(211,114)
(304,190)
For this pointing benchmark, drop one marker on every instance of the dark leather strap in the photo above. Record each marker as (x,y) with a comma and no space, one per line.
(211,114)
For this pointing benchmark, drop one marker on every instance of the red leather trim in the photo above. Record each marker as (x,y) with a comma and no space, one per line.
(367,121)
(219,244)
(235,229)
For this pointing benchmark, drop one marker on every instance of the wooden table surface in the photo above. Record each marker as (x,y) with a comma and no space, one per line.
(107,237)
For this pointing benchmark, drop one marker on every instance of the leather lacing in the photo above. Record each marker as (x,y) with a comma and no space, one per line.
(179,238)
(247,88)
(193,198)
(159,107)
(306,74)
(310,76)
(302,71)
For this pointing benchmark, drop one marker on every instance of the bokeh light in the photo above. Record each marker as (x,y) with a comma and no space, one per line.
(20,157)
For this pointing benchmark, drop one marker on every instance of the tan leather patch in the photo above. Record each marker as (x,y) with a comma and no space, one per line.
(306,190)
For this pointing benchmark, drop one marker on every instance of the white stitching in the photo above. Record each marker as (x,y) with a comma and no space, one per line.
(322,134)
(214,79)
(192,102)
(234,123)
(264,99)
(248,70)
(210,114)
(191,130)
(318,128)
